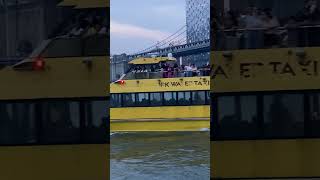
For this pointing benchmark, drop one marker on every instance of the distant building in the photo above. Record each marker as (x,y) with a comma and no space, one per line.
(198,28)
(118,66)
(198,20)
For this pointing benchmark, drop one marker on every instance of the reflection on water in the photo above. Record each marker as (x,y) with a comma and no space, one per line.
(169,156)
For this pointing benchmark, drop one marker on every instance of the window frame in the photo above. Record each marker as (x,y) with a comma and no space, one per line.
(135,104)
(208,98)
(260,110)
(175,94)
(123,99)
(119,102)
(38,119)
(189,102)
(161,99)
(205,98)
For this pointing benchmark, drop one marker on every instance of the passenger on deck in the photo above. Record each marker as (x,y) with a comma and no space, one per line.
(188,70)
(79,29)
(175,65)
(96,28)
(194,70)
(176,70)
(270,22)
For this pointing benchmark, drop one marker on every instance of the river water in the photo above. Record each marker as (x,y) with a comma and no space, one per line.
(160,156)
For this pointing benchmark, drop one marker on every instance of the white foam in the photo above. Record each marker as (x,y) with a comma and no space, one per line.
(205,129)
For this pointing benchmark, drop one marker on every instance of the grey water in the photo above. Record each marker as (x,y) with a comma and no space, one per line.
(160,156)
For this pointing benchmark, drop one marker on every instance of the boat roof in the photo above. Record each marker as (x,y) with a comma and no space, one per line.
(151,60)
(81,4)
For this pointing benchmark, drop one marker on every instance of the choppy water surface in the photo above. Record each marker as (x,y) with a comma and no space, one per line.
(165,156)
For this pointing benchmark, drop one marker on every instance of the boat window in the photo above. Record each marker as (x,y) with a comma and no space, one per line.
(143,99)
(237,117)
(96,121)
(160,99)
(128,100)
(17,125)
(155,99)
(283,115)
(170,98)
(208,97)
(199,97)
(54,121)
(184,98)
(60,122)
(314,114)
(116,100)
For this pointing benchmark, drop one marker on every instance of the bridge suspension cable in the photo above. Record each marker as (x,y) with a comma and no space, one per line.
(170,40)
(162,41)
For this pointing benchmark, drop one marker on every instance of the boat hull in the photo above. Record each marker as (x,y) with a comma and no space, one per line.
(175,118)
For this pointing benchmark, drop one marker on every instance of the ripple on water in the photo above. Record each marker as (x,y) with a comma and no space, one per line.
(156,156)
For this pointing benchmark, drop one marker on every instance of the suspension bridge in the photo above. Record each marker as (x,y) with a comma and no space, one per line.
(176,44)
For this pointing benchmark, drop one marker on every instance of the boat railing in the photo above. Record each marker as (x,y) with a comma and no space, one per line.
(65,46)
(166,74)
(291,35)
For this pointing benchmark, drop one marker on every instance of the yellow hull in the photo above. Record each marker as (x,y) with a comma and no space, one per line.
(55,162)
(297,158)
(175,118)
(160,125)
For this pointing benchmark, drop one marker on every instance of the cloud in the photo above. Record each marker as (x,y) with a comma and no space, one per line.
(169,10)
(132,31)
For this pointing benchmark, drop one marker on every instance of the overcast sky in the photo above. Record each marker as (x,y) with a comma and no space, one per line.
(138,24)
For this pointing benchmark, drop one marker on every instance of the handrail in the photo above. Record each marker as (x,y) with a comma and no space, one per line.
(197,70)
(46,44)
(274,28)
(292,35)
(171,74)
(10,60)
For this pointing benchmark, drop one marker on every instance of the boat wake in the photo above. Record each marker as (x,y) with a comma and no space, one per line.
(204,129)
(118,133)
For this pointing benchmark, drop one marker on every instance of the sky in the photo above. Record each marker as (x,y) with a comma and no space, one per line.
(139,24)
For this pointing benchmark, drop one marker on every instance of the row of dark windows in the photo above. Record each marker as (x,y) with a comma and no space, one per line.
(265,116)
(181,98)
(67,121)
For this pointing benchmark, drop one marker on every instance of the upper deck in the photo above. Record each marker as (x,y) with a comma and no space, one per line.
(70,67)
(162,67)
(86,4)
(160,74)
(267,46)
(62,78)
(264,25)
